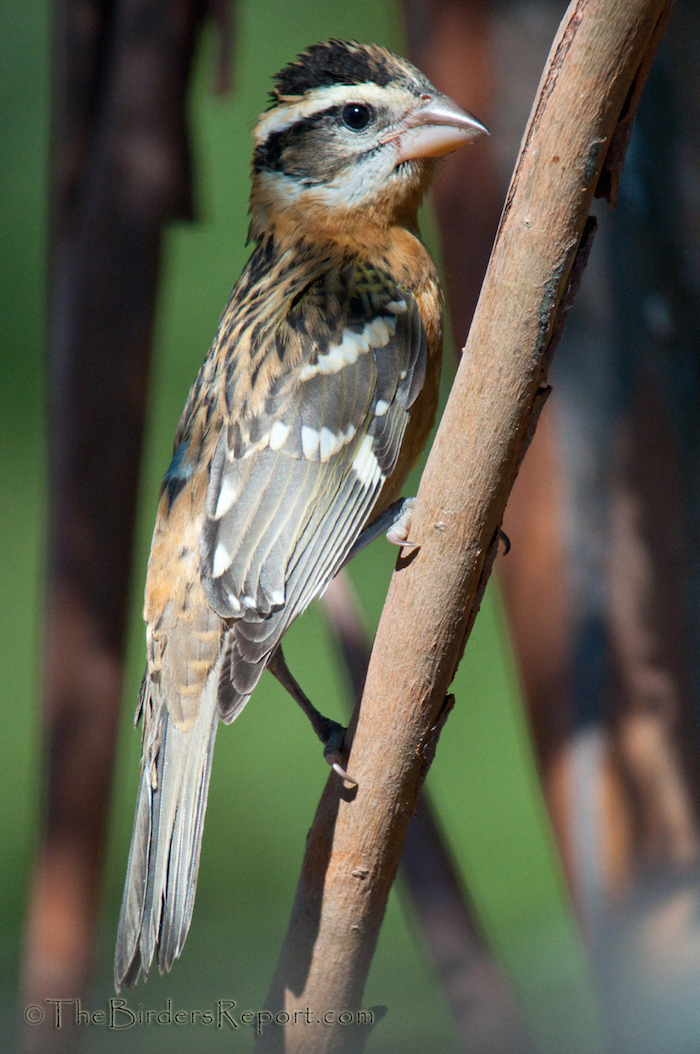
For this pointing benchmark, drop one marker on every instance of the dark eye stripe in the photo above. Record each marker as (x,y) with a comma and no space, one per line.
(268,155)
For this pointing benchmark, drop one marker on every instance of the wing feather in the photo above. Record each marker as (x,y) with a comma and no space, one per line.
(293,485)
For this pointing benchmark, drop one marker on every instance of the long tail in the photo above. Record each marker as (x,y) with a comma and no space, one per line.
(161,876)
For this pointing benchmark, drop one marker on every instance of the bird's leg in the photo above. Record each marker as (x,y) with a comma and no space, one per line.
(329,732)
(395,521)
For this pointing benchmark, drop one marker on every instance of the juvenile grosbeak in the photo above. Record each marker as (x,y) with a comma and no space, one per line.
(312,405)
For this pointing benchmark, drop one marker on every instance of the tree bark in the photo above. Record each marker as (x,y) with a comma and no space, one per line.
(574,145)
(484,1011)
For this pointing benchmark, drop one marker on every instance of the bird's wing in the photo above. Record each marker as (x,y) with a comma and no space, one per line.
(294,477)
(296,473)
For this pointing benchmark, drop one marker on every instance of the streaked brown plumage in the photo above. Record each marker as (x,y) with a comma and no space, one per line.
(315,400)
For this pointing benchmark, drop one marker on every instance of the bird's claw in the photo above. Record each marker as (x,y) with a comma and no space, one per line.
(503,537)
(398,533)
(345,776)
(333,754)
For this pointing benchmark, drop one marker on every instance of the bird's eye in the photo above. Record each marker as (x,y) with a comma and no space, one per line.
(356,116)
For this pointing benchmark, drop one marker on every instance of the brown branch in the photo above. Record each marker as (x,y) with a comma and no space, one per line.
(484,1011)
(357,837)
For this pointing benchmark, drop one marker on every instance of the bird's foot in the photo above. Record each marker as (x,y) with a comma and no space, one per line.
(328,731)
(395,521)
(398,533)
(333,750)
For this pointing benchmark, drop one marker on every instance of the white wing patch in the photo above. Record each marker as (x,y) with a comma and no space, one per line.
(366,465)
(310,439)
(329,441)
(375,334)
(321,446)
(222,560)
(278,435)
(378,331)
(233,601)
(229,493)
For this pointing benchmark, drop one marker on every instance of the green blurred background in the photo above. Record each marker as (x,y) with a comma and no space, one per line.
(268,771)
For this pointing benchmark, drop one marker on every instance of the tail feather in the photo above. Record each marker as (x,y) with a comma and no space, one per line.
(186,841)
(127,961)
(164,857)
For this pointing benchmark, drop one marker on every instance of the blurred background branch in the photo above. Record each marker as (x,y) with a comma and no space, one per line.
(120,170)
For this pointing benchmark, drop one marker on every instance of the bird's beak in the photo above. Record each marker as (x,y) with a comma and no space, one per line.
(437,127)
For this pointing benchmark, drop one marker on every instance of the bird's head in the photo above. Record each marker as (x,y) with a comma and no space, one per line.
(351,137)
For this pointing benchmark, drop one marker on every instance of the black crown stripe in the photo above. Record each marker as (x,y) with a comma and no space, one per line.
(335,62)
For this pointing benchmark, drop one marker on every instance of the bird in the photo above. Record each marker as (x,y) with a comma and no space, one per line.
(313,403)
